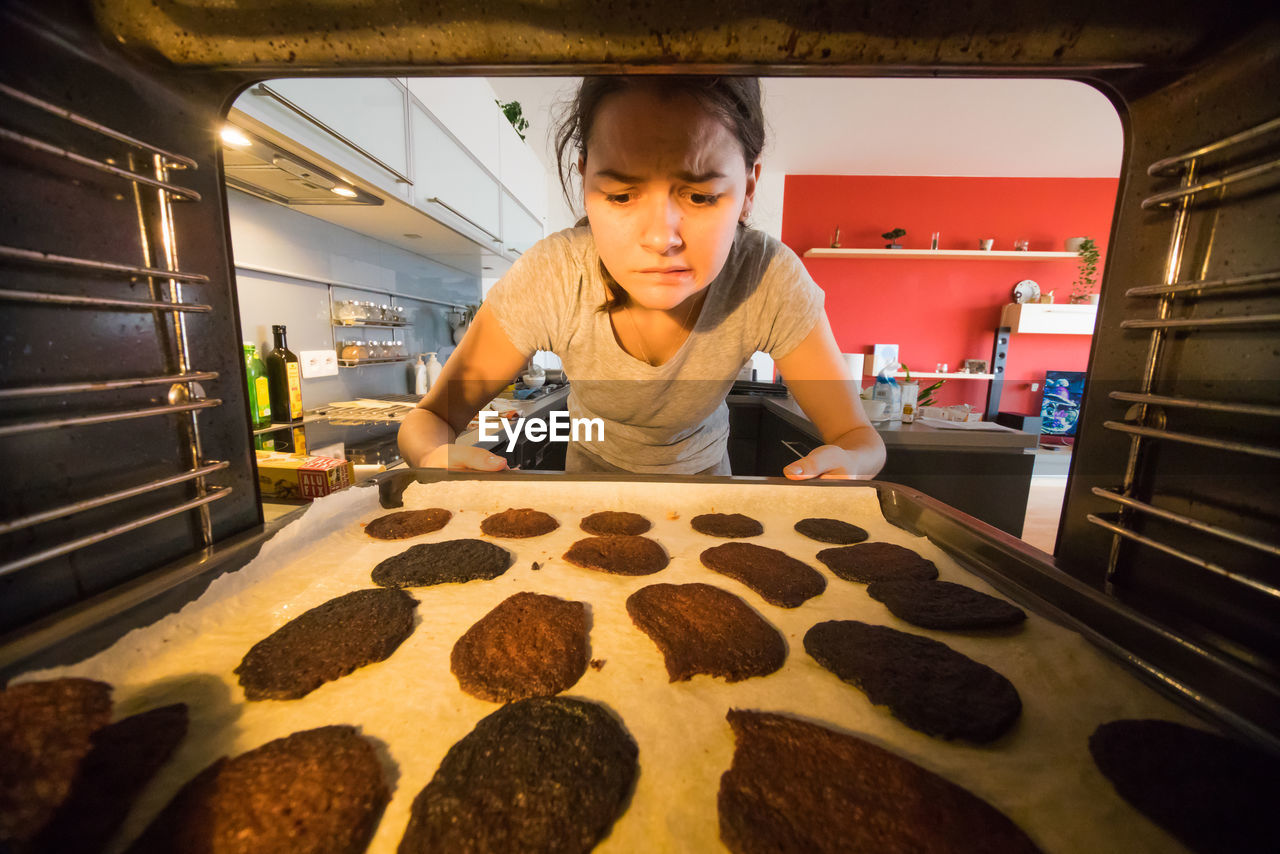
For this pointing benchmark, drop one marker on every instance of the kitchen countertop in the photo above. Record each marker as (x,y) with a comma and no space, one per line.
(896,434)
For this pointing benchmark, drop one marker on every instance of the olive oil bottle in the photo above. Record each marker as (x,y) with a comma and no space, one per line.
(284,379)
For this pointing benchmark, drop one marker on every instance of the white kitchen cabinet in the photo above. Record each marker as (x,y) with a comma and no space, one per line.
(367,114)
(521,171)
(520,228)
(450,185)
(468,107)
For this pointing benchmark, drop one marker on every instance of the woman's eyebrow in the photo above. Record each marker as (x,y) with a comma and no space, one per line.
(687,177)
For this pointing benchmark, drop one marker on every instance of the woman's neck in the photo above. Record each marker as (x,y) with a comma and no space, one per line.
(656,335)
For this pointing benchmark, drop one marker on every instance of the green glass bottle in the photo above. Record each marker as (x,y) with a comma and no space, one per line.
(259,391)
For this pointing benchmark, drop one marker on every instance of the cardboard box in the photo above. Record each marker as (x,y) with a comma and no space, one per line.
(297,476)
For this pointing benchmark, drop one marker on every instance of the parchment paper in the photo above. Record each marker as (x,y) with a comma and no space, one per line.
(1040,774)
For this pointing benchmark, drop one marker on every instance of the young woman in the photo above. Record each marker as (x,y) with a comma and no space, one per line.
(659,300)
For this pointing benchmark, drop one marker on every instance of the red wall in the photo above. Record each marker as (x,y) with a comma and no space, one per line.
(940,310)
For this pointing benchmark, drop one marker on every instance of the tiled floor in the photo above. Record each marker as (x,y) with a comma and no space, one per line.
(1044,502)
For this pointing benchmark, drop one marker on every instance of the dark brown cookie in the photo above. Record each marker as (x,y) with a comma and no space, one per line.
(543,774)
(46,731)
(326,643)
(408,523)
(729,525)
(620,555)
(124,758)
(1216,795)
(779,578)
(611,522)
(926,684)
(797,786)
(703,629)
(443,563)
(321,790)
(529,646)
(867,562)
(831,531)
(517,524)
(943,605)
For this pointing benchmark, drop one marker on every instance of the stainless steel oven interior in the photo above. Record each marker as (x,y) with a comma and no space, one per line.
(122,405)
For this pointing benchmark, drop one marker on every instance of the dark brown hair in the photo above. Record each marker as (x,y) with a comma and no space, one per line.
(735,101)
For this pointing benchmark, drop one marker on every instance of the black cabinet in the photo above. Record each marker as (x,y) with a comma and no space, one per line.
(780,445)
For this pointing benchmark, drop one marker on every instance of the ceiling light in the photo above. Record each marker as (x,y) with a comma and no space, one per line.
(232,135)
(345,192)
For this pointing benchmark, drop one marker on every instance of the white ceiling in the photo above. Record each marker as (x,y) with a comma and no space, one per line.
(900,126)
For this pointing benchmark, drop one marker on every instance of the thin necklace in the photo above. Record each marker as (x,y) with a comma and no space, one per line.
(644,351)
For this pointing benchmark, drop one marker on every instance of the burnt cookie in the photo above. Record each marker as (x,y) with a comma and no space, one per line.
(531,645)
(326,643)
(619,555)
(831,531)
(779,578)
(451,561)
(926,684)
(518,524)
(124,758)
(543,774)
(943,605)
(728,525)
(867,562)
(1216,795)
(408,523)
(798,786)
(321,790)
(46,731)
(703,629)
(612,522)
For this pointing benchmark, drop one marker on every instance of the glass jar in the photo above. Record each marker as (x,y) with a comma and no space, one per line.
(398,314)
(399,350)
(347,311)
(353,351)
(384,312)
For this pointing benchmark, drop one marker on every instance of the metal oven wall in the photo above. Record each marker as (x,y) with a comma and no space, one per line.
(51,205)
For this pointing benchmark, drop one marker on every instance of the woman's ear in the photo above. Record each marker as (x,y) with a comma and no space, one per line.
(582,166)
(749,197)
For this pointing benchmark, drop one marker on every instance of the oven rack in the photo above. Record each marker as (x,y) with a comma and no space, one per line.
(149,166)
(1145,421)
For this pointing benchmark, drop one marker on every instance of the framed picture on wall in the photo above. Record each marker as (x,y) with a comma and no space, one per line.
(975,366)
(884,354)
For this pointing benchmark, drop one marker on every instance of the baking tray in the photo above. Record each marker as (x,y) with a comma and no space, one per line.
(1039,774)
(1213,687)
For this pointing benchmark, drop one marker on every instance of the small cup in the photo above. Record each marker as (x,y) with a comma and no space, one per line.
(875,409)
(986,243)
(1021,245)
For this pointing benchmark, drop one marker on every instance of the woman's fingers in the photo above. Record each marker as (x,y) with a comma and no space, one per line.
(464,458)
(826,461)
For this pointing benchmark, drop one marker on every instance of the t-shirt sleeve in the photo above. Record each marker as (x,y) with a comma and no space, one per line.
(790,305)
(531,302)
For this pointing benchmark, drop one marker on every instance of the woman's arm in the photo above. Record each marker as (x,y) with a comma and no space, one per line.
(815,373)
(482,366)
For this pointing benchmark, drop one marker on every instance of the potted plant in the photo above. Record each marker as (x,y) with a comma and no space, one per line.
(892,237)
(925,397)
(1082,288)
(515,114)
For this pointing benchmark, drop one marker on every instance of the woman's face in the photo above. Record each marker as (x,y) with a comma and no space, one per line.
(665,185)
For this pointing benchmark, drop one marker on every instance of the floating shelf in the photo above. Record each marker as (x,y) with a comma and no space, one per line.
(359,363)
(1050,318)
(380,324)
(956,375)
(953,254)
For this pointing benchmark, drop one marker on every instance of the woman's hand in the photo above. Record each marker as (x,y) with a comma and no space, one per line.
(462,458)
(834,462)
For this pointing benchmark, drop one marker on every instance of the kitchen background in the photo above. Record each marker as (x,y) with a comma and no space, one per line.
(462,195)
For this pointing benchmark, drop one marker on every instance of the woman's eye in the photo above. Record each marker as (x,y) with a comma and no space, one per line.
(704,198)
(617,198)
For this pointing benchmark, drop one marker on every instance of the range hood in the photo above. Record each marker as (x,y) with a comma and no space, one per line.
(263,169)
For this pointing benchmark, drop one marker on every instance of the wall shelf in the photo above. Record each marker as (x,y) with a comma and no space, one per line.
(953,254)
(1050,318)
(955,375)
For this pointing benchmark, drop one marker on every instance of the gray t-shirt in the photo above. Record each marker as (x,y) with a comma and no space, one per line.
(672,418)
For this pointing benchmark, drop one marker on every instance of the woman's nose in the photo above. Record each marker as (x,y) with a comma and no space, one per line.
(661,225)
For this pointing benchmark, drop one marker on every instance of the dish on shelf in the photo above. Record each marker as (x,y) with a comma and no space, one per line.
(1026,291)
